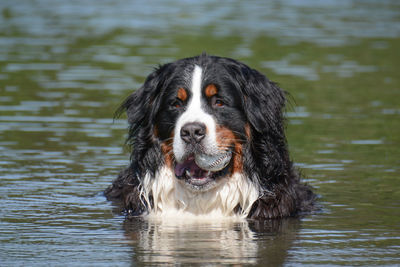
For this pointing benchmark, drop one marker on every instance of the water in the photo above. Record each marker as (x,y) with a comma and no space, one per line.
(65,67)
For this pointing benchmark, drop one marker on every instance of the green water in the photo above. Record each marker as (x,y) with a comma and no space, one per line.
(65,67)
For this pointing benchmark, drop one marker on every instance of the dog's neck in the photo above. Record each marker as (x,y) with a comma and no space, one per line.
(171,198)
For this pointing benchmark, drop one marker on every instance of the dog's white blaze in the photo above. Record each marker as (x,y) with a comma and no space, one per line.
(171,198)
(195,113)
(195,104)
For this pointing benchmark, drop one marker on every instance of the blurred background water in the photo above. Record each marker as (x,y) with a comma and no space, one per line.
(66,65)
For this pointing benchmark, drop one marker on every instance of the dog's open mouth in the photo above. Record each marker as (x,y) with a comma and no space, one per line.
(200,171)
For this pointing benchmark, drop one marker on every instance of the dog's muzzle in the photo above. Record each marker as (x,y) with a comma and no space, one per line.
(198,168)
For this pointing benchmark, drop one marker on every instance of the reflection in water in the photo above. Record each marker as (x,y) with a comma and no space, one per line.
(225,241)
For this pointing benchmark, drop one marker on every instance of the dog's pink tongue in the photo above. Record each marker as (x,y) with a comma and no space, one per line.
(189,165)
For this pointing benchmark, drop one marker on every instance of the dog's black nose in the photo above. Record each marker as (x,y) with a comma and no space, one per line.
(193,132)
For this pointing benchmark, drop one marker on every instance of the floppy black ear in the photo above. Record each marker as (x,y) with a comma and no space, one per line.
(142,105)
(263,103)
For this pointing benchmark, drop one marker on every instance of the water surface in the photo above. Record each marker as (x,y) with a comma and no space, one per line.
(66,66)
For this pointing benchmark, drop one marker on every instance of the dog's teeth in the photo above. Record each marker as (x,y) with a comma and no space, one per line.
(188,173)
(208,173)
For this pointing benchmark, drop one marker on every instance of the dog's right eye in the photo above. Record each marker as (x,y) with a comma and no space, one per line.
(177,103)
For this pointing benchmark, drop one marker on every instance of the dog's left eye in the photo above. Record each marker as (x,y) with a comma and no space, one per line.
(217,102)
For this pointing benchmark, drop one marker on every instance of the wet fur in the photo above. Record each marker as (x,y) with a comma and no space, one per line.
(265,159)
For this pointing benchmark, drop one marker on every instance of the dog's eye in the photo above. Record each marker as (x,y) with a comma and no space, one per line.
(217,102)
(177,103)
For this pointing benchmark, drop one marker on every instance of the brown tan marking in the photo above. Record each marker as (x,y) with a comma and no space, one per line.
(166,148)
(182,94)
(155,131)
(225,139)
(248,131)
(211,90)
(237,158)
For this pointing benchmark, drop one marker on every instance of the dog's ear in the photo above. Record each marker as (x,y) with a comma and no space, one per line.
(263,103)
(142,105)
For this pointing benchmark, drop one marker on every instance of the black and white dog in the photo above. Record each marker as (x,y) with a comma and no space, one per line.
(207,137)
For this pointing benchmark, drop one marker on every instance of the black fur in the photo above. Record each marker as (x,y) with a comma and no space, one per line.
(251,100)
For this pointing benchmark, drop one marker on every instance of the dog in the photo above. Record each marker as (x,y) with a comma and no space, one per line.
(207,138)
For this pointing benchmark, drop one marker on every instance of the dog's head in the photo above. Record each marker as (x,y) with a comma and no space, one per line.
(206,118)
